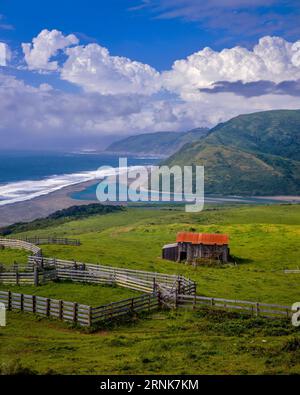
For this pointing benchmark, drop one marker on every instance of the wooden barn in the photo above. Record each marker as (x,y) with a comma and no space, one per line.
(191,246)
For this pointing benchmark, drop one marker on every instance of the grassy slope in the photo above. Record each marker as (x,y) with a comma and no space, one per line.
(271,132)
(159,143)
(170,343)
(8,256)
(252,154)
(265,238)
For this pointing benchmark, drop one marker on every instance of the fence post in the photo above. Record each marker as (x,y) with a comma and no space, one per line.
(176,299)
(159,296)
(36,276)
(47,307)
(179,285)
(257,309)
(90,317)
(22,302)
(33,303)
(212,302)
(154,284)
(132,305)
(75,308)
(194,302)
(9,304)
(17,276)
(60,309)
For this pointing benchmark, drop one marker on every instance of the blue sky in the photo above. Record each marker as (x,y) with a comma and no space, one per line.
(97,70)
(146,30)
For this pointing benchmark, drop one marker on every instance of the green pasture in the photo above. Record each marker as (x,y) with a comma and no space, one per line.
(264,240)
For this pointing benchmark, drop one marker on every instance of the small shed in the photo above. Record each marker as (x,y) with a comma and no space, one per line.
(190,246)
(170,252)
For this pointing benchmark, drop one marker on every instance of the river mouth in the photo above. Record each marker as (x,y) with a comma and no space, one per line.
(89,194)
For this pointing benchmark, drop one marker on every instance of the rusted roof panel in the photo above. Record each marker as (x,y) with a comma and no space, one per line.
(202,238)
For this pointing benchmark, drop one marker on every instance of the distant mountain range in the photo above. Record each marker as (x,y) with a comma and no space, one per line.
(254,154)
(159,144)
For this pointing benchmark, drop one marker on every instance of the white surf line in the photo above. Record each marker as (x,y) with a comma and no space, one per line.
(27,190)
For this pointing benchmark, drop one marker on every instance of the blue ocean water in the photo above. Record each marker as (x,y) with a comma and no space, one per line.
(25,175)
(20,166)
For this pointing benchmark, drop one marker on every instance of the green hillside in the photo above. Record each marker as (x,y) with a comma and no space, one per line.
(255,154)
(161,143)
(264,241)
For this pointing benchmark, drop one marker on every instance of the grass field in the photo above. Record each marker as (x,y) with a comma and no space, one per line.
(264,240)
(90,294)
(9,256)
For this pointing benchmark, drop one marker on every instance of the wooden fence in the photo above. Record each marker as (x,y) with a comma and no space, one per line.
(292,271)
(37,240)
(34,277)
(126,307)
(21,245)
(241,306)
(129,278)
(78,313)
(66,311)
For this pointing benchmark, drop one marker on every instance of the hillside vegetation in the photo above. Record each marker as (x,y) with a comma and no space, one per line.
(160,144)
(254,154)
(264,241)
(60,217)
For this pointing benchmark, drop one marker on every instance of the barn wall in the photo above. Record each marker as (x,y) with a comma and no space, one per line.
(194,251)
(170,253)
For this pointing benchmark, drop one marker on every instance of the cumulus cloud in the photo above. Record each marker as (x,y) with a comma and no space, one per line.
(45,117)
(121,96)
(43,47)
(93,68)
(272,59)
(5,54)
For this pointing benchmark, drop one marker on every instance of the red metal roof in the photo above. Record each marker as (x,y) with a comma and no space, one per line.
(202,238)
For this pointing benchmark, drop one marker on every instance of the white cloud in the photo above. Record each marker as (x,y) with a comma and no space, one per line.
(46,117)
(93,68)
(118,93)
(272,59)
(5,54)
(44,47)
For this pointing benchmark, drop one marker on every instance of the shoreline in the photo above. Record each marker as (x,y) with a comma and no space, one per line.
(45,205)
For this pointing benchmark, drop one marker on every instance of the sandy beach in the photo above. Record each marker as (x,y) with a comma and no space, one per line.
(43,205)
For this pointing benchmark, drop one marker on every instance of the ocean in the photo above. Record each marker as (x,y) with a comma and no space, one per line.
(26,175)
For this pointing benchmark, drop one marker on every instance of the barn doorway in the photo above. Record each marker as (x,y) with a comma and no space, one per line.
(183,256)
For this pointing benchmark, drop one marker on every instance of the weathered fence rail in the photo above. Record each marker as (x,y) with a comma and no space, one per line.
(66,311)
(37,240)
(83,315)
(292,271)
(242,306)
(21,245)
(34,277)
(31,243)
(117,310)
(134,279)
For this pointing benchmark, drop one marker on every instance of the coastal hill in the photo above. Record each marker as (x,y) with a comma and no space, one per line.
(159,144)
(254,154)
